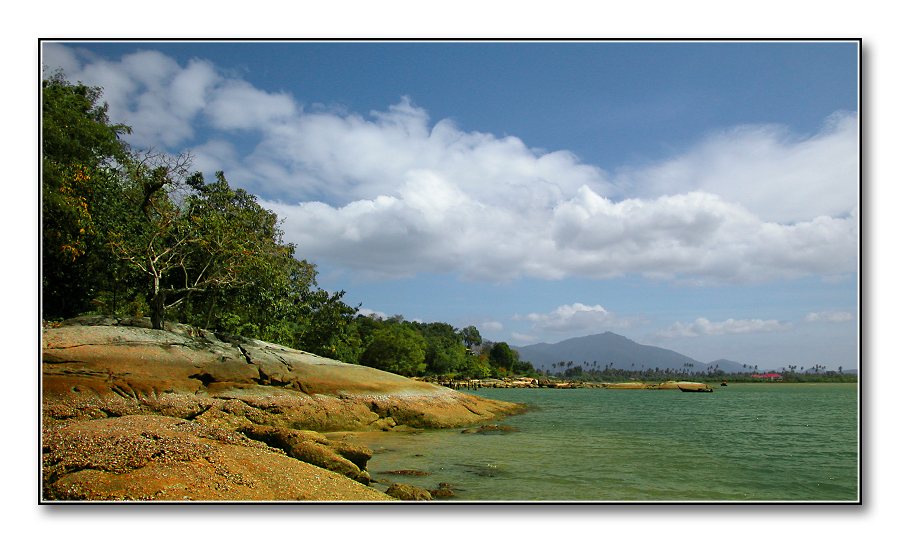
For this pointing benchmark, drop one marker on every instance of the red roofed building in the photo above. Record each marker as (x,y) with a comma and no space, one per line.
(768,376)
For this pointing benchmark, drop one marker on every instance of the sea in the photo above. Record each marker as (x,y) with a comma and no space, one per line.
(753,442)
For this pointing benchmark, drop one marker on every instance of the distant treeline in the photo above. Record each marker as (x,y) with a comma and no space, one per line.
(139,233)
(613,375)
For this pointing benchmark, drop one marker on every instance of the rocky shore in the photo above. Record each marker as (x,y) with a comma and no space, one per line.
(131,413)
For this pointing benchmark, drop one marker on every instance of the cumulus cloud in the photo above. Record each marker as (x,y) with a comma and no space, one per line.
(147,90)
(237,105)
(829,316)
(777,175)
(394,193)
(704,327)
(491,326)
(576,317)
(372,313)
(430,224)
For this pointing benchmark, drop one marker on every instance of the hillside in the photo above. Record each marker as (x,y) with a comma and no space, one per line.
(728,366)
(610,348)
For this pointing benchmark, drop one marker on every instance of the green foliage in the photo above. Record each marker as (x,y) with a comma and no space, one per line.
(194,238)
(139,233)
(75,127)
(81,154)
(325,325)
(444,351)
(471,336)
(592,372)
(503,358)
(476,367)
(376,342)
(397,349)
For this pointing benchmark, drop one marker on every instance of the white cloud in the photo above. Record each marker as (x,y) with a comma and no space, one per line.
(146,90)
(55,56)
(430,224)
(393,194)
(523,338)
(704,327)
(829,316)
(776,175)
(372,313)
(572,318)
(491,326)
(237,105)
(191,87)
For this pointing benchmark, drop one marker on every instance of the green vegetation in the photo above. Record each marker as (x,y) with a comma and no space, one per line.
(138,233)
(609,374)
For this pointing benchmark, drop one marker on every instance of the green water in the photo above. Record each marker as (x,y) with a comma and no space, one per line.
(744,442)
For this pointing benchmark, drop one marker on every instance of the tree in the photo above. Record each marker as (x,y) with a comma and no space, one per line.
(471,336)
(444,349)
(476,367)
(123,229)
(324,325)
(81,156)
(502,356)
(195,238)
(396,348)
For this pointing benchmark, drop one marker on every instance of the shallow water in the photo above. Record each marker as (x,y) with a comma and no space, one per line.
(744,442)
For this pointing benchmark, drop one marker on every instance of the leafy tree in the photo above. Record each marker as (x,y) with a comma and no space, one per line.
(396,348)
(324,325)
(471,336)
(476,367)
(444,350)
(81,154)
(525,368)
(502,356)
(196,238)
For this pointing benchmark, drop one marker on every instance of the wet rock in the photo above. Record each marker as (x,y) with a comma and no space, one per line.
(314,448)
(410,472)
(490,429)
(443,491)
(408,492)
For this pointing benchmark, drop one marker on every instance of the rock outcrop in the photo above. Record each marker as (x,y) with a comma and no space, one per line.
(120,401)
(406,492)
(148,457)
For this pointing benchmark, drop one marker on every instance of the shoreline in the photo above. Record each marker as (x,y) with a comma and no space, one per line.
(520,382)
(132,414)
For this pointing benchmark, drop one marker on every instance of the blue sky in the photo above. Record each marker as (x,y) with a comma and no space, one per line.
(696,196)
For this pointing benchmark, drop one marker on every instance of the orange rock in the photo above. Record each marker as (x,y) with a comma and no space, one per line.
(134,413)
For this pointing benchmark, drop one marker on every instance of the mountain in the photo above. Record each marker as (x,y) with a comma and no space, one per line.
(728,366)
(620,351)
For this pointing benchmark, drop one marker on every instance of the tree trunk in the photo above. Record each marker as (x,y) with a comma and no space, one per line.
(157,306)
(209,312)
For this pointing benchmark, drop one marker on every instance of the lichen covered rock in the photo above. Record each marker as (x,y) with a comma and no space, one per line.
(132,413)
